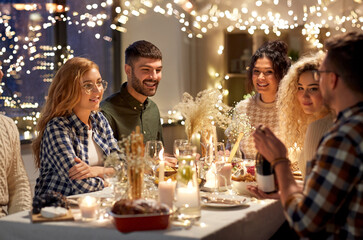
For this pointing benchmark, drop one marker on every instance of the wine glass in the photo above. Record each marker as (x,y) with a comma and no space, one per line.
(177,143)
(113,169)
(219,161)
(153,151)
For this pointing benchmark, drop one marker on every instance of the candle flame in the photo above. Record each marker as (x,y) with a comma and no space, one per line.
(161,154)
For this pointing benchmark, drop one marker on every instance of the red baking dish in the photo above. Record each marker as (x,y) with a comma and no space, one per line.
(140,222)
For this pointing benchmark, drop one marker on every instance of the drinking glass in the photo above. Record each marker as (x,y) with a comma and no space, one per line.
(177,143)
(187,198)
(113,170)
(219,161)
(153,151)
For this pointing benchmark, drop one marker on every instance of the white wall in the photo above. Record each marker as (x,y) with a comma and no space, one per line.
(209,61)
(165,33)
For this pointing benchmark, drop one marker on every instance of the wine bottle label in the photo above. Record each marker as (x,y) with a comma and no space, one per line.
(266,183)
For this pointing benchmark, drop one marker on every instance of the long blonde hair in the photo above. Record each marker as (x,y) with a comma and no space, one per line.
(63,95)
(292,119)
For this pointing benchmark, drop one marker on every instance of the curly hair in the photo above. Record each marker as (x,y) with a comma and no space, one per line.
(276,52)
(63,95)
(292,119)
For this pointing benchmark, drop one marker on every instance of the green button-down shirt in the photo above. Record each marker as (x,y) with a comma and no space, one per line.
(124,113)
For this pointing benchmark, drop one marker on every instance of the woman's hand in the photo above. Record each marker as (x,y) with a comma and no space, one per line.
(260,194)
(268,144)
(82,170)
(170,161)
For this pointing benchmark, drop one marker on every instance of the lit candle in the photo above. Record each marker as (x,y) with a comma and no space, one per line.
(196,140)
(211,148)
(211,177)
(166,192)
(88,206)
(161,166)
(187,196)
(215,140)
(225,175)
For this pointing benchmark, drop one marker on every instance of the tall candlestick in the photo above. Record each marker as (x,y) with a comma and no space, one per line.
(161,165)
(215,140)
(224,175)
(211,148)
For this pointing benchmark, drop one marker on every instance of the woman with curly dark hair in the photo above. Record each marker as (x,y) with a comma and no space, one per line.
(268,66)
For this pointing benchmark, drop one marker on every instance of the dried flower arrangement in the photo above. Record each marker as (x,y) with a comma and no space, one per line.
(203,112)
(239,124)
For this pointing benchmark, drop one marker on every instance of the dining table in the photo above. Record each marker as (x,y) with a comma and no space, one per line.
(255,219)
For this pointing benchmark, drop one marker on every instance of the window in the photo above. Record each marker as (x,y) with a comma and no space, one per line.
(36,37)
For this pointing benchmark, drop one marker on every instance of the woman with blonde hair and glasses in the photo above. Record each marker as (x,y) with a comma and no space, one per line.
(73,136)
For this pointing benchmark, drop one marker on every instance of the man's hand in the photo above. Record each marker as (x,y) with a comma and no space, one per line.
(1,74)
(260,194)
(268,144)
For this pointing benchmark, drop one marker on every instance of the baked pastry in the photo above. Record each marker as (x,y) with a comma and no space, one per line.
(139,206)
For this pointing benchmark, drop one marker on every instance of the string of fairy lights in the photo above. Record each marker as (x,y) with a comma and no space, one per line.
(316,17)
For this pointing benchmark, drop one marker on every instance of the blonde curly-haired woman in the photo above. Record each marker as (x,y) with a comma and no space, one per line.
(300,103)
(303,117)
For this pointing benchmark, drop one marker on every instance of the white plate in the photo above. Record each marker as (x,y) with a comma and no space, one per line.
(224,201)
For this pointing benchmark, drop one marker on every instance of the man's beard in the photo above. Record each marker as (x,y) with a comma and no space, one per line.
(327,98)
(139,87)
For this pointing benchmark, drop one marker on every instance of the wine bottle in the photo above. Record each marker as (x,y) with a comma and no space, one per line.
(265,176)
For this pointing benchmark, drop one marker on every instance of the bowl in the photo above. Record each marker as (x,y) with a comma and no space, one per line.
(241,187)
(140,222)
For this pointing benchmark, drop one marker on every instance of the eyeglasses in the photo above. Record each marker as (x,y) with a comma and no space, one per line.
(89,86)
(268,73)
(317,73)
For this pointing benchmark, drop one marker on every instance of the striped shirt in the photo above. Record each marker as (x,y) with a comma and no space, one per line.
(331,206)
(64,139)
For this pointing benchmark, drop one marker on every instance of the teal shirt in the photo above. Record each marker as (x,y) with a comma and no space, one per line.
(124,113)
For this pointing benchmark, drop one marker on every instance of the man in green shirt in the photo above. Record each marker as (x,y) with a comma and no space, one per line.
(131,106)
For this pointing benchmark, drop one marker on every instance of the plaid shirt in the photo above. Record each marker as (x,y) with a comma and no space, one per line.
(331,206)
(64,139)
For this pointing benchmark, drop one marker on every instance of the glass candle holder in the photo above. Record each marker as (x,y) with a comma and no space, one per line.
(187,200)
(166,192)
(89,207)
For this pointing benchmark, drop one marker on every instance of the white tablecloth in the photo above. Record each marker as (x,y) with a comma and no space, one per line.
(257,221)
